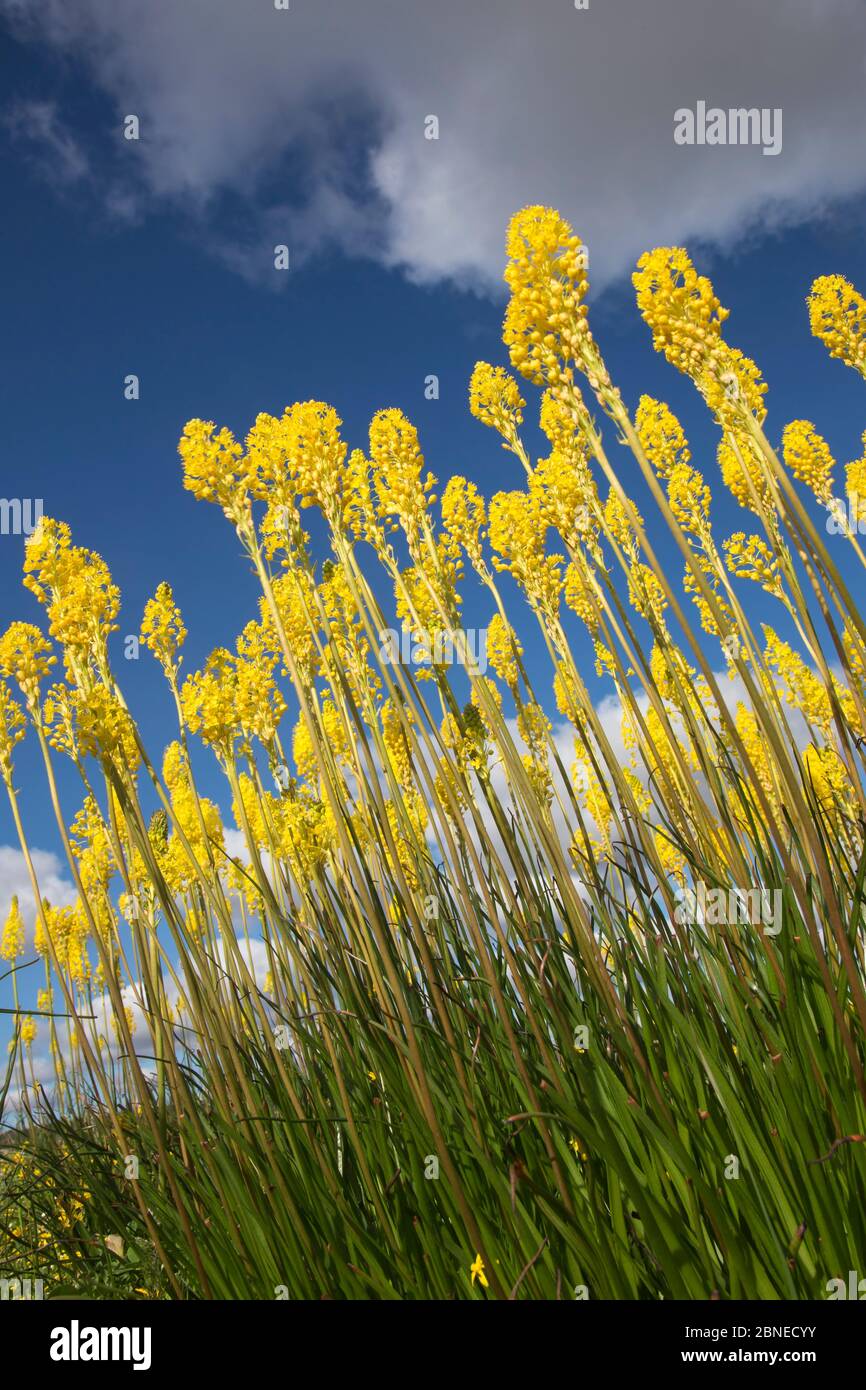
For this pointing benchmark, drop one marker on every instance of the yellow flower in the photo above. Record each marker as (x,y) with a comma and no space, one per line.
(359,510)
(689,499)
(503,649)
(12,940)
(749,557)
(732,383)
(855,485)
(565,420)
(545,322)
(741,471)
(686,318)
(517,533)
(399,750)
(12,726)
(464,517)
(661,435)
(578,592)
(803,689)
(105,728)
(397,462)
(76,589)
(316,456)
(680,308)
(477,1272)
(646,595)
(566,494)
(837,316)
(293,596)
(828,777)
(495,400)
(808,456)
(162,629)
(755,743)
(211,471)
(26,656)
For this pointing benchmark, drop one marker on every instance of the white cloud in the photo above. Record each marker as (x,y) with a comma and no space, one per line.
(315,116)
(15,882)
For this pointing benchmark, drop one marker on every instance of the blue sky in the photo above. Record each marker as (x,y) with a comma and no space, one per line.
(156,259)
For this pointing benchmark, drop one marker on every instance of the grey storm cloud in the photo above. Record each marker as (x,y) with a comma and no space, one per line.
(536,101)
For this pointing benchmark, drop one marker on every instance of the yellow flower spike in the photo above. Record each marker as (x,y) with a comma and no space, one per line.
(566,421)
(741,471)
(397,462)
(802,688)
(162,630)
(208,703)
(855,485)
(495,400)
(235,695)
(212,471)
(685,317)
(43,928)
(359,509)
(105,728)
(28,1031)
(76,589)
(12,729)
(517,532)
(25,656)
(503,649)
(646,594)
(749,557)
(293,596)
(477,1272)
(567,496)
(828,777)
(545,324)
(681,309)
(808,456)
(265,462)
(837,316)
(578,593)
(316,456)
(304,753)
(620,524)
(689,498)
(397,745)
(733,382)
(12,940)
(594,795)
(464,517)
(661,435)
(47,558)
(565,692)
